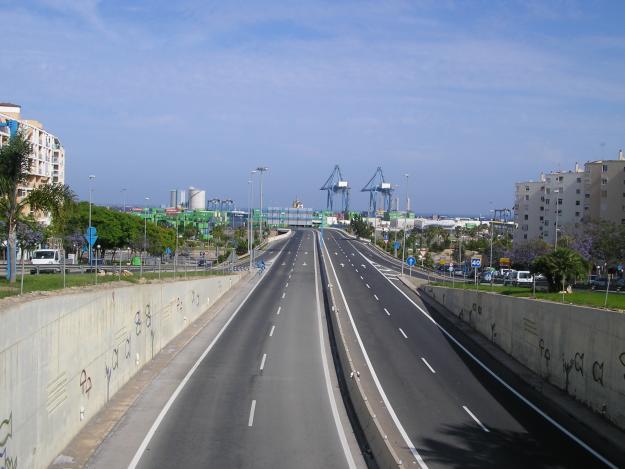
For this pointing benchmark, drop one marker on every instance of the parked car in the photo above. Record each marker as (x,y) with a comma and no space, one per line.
(519,278)
(46,260)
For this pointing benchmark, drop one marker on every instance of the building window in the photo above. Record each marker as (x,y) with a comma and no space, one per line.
(524,236)
(604,181)
(542,209)
(577,214)
(542,218)
(577,202)
(604,168)
(548,191)
(527,197)
(587,196)
(559,201)
(546,222)
(527,188)
(546,201)
(579,180)
(578,191)
(526,217)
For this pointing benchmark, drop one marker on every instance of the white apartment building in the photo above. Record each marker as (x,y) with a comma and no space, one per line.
(555,201)
(604,198)
(48,158)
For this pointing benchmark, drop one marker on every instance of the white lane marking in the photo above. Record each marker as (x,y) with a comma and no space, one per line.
(262,362)
(356,269)
(428,365)
(273,328)
(326,373)
(159,419)
(475,418)
(283,294)
(250,421)
(361,278)
(376,297)
(287,285)
(367,285)
(387,403)
(386,311)
(289,276)
(279,309)
(403,333)
(516,393)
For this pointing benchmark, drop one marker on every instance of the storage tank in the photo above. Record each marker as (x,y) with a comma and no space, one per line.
(182,198)
(197,199)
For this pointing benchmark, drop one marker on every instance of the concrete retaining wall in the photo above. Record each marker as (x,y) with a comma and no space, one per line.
(63,356)
(580,350)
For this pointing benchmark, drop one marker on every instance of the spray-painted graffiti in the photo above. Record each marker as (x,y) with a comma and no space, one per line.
(493,334)
(195,298)
(567,367)
(6,434)
(597,372)
(179,306)
(85,382)
(127,346)
(148,316)
(115,359)
(544,351)
(578,361)
(138,323)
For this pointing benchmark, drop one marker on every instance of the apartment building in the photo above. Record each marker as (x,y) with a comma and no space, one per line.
(604,196)
(554,201)
(48,158)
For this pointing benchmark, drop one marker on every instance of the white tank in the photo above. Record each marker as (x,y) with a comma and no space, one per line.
(197,199)
(182,198)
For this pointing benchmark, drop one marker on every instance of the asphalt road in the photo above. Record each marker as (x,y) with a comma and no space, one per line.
(455,413)
(261,397)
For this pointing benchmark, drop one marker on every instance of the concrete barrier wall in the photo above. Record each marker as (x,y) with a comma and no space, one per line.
(580,350)
(63,356)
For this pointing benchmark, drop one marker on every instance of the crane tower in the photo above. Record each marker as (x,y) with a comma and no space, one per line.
(337,184)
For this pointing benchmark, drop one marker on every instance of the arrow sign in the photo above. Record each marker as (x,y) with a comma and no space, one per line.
(91,235)
(396,245)
(411,261)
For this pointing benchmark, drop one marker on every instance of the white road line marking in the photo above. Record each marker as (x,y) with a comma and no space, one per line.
(367,285)
(356,269)
(403,333)
(376,297)
(326,372)
(361,278)
(283,294)
(287,285)
(262,362)
(475,418)
(279,309)
(428,365)
(386,311)
(161,416)
(250,421)
(273,328)
(516,393)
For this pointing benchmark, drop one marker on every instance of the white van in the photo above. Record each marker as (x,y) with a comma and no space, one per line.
(519,278)
(46,260)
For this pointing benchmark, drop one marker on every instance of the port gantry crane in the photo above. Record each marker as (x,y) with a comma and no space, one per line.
(337,184)
(377,185)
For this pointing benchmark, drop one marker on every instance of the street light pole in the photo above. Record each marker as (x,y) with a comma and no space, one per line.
(91,178)
(250,217)
(555,245)
(403,249)
(491,238)
(145,233)
(261,170)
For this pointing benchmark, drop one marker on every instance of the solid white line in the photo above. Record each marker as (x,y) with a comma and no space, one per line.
(428,365)
(273,328)
(262,362)
(516,393)
(148,437)
(387,403)
(250,421)
(475,418)
(403,333)
(326,373)
(386,311)
(279,309)
(283,294)
(376,297)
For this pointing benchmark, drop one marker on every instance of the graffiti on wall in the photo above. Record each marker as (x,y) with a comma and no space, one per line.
(85,382)
(6,435)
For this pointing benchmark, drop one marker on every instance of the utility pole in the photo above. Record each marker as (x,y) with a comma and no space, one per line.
(91,179)
(403,249)
(261,170)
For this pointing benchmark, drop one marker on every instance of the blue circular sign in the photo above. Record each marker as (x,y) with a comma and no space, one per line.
(396,245)
(411,261)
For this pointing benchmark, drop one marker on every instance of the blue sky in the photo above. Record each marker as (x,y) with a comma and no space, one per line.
(467,97)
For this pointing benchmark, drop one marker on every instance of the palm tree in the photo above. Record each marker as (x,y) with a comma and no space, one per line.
(14,172)
(560,266)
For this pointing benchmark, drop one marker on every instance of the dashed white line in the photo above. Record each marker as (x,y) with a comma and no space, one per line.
(428,365)
(376,297)
(262,362)
(250,421)
(403,333)
(475,418)
(367,285)
(287,285)
(386,311)
(356,269)
(273,328)
(283,295)
(279,309)
(361,278)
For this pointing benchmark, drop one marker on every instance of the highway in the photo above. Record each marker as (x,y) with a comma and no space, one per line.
(454,413)
(262,396)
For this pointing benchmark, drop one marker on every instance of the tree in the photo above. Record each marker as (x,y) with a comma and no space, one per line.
(560,267)
(14,172)
(360,227)
(524,253)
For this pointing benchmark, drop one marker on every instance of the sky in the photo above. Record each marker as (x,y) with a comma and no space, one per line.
(467,97)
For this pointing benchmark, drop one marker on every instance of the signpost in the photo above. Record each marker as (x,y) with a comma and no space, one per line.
(476,263)
(410,261)
(396,246)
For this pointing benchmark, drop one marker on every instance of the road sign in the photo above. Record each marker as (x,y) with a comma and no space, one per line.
(386,236)
(91,235)
(168,251)
(396,245)
(476,262)
(411,261)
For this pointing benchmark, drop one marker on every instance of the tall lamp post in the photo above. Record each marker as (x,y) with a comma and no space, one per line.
(403,249)
(261,170)
(492,219)
(145,233)
(91,179)
(250,217)
(555,244)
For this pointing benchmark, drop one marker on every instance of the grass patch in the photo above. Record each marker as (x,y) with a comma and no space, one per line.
(49,282)
(616,301)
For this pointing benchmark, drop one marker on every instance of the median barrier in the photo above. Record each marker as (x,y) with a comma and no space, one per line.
(63,355)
